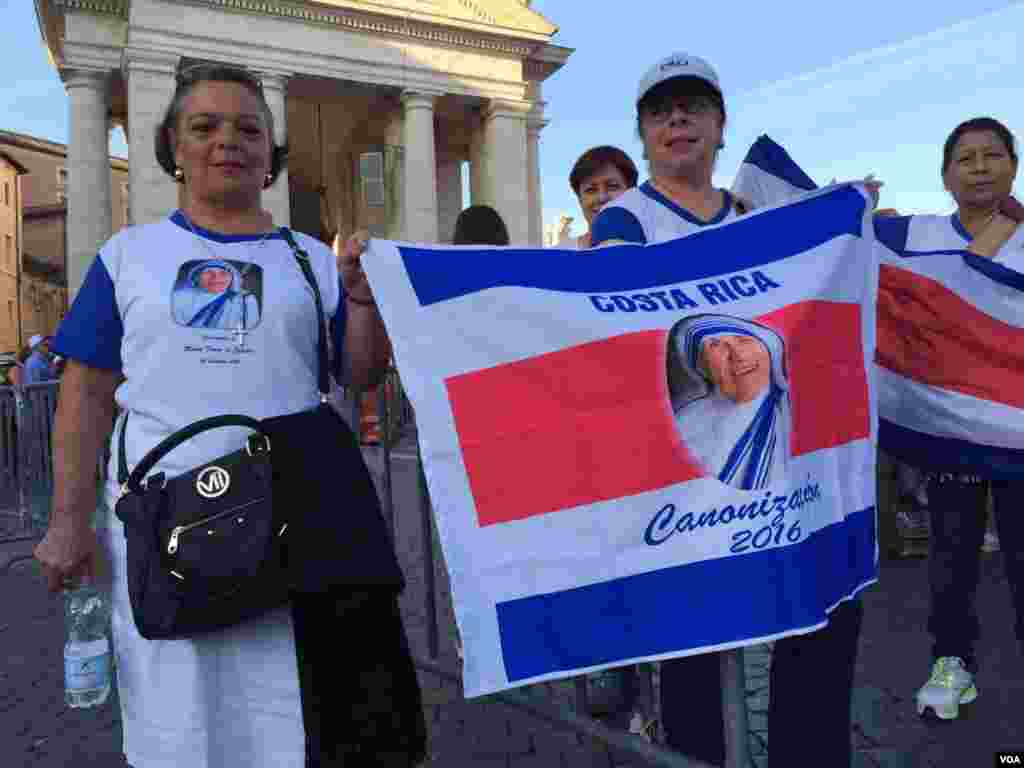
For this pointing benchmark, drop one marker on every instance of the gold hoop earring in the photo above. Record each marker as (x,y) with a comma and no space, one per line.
(179,175)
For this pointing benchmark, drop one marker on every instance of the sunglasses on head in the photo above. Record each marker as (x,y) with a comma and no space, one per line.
(197,73)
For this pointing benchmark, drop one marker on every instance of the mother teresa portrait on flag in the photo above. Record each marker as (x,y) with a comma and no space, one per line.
(730,396)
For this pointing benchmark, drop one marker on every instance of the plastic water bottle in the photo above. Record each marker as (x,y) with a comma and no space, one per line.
(87,657)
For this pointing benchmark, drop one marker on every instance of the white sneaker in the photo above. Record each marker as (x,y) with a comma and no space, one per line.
(949,686)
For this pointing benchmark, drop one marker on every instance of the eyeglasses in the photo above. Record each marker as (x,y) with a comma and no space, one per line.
(197,73)
(660,113)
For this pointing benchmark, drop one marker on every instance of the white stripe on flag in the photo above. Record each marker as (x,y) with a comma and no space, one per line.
(943,413)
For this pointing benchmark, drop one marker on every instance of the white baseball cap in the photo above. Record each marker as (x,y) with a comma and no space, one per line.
(677,65)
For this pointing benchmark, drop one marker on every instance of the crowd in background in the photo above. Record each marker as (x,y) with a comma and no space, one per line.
(35,364)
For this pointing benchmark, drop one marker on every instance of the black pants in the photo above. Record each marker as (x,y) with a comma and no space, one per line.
(957,509)
(361,700)
(811,684)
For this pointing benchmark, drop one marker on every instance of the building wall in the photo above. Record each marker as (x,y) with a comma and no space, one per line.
(44,236)
(354,121)
(323,165)
(44,297)
(46,182)
(9,216)
(449,192)
(43,305)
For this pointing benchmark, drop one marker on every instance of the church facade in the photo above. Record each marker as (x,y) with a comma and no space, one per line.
(384,105)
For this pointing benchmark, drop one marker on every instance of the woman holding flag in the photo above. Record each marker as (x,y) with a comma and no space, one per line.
(681,120)
(979,164)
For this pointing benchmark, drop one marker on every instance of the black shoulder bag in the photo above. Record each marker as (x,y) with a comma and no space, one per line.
(294,511)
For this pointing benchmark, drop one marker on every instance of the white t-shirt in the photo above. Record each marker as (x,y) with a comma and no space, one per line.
(644,215)
(169,308)
(1011,255)
(921,235)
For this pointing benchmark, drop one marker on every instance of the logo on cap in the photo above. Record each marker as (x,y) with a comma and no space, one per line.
(675,62)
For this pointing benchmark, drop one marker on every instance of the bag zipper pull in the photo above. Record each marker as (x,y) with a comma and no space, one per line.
(172,545)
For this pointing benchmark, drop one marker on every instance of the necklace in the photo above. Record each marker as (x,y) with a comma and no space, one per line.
(240,331)
(988,221)
(975,230)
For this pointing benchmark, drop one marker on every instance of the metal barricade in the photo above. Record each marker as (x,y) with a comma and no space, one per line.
(26,487)
(398,431)
(26,463)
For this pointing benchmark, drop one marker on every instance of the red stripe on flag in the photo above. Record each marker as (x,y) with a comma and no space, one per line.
(594,422)
(828,383)
(931,335)
(580,425)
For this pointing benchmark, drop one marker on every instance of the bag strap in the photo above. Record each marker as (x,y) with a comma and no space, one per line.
(133,479)
(321,343)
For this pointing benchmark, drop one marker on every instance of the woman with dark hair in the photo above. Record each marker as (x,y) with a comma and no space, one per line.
(480,225)
(979,164)
(599,176)
(245,695)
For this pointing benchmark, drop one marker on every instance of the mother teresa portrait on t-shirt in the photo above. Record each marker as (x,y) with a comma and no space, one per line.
(210,294)
(730,395)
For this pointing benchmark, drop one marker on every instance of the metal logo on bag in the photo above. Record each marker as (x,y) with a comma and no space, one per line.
(213,482)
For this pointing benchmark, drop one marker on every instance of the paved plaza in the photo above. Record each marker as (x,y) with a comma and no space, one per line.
(38,731)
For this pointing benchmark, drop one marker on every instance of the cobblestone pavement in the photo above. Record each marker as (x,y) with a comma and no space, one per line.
(38,731)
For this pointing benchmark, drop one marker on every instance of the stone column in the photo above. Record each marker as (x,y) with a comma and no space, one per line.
(504,166)
(276,198)
(536,218)
(419,192)
(89,198)
(150,83)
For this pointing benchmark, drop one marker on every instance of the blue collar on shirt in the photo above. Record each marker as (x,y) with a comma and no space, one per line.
(648,189)
(959,227)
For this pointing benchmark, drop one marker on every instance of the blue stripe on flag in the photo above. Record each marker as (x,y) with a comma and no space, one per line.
(773,159)
(892,232)
(995,271)
(948,454)
(919,254)
(438,276)
(690,606)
